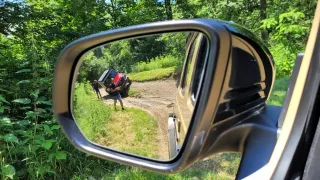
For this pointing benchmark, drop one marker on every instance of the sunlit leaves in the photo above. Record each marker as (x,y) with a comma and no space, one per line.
(4,121)
(31,115)
(35,33)
(43,100)
(46,144)
(269,23)
(10,138)
(24,71)
(290,16)
(2,99)
(22,101)
(8,171)
(23,82)
(60,155)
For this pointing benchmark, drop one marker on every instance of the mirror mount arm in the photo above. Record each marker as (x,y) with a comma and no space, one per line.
(255,138)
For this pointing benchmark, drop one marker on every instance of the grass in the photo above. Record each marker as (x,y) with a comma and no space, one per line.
(219,166)
(89,111)
(134,93)
(132,130)
(156,74)
(279,91)
(118,133)
(157,63)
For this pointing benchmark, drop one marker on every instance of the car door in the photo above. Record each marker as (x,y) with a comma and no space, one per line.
(188,88)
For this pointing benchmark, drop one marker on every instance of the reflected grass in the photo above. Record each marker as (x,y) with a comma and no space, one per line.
(132,130)
(219,166)
(156,74)
(134,93)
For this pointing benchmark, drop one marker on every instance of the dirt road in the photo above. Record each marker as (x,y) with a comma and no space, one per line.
(157,98)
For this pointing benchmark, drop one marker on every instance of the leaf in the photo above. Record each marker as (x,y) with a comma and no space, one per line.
(11,138)
(51,156)
(23,122)
(43,100)
(61,155)
(47,145)
(35,93)
(55,127)
(5,121)
(25,159)
(1,109)
(8,171)
(22,101)
(24,71)
(41,110)
(51,140)
(31,114)
(21,132)
(2,99)
(39,138)
(25,107)
(47,129)
(47,102)
(23,82)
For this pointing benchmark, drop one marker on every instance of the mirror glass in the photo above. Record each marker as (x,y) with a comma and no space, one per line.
(137,95)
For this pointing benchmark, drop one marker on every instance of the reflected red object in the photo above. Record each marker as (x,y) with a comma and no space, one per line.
(117,78)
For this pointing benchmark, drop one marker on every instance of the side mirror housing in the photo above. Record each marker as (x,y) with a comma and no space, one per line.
(237,79)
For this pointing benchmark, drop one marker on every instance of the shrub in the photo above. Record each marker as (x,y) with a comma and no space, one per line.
(157,63)
(279,91)
(151,75)
(284,60)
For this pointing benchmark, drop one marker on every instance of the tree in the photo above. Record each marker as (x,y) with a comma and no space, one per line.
(263,16)
(168,9)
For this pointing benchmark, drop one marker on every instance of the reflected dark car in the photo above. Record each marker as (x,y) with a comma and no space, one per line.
(119,79)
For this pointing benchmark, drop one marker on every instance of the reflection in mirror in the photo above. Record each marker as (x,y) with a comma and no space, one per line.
(137,95)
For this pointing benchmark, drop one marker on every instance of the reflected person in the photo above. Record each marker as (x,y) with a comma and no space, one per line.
(95,86)
(115,94)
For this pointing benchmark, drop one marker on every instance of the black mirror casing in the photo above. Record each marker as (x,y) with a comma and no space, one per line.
(219,92)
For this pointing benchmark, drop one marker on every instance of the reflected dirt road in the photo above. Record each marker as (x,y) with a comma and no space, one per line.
(157,98)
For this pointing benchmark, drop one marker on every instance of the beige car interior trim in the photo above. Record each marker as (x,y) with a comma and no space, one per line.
(295,101)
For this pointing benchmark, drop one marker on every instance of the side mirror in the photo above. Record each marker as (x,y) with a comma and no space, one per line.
(223,78)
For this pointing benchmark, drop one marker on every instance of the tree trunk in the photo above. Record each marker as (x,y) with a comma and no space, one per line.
(168,9)
(113,13)
(229,12)
(263,16)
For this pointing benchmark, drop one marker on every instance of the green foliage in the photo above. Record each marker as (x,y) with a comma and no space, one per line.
(26,140)
(8,171)
(151,75)
(92,67)
(134,55)
(134,93)
(3,100)
(288,38)
(24,71)
(89,111)
(279,91)
(157,63)
(32,33)
(22,101)
(284,59)
(105,126)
